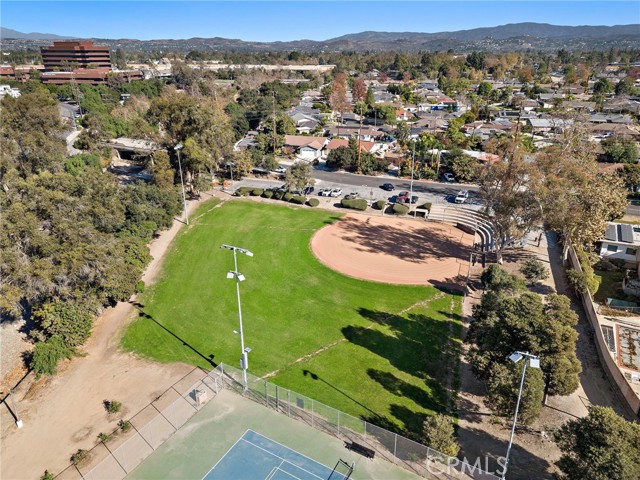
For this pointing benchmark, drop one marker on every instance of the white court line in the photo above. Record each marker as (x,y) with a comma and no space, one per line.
(277,456)
(236,442)
(287,473)
(273,471)
(284,446)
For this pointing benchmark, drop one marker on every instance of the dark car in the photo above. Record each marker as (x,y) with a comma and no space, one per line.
(387,186)
(308,190)
(403,197)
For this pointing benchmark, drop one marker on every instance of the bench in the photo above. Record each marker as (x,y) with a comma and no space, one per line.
(361,449)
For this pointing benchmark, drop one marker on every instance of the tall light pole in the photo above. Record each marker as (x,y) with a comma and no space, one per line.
(19,423)
(413,160)
(244,351)
(534,361)
(177,148)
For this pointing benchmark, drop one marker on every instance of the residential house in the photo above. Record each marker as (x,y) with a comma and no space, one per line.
(348,131)
(402,115)
(306,148)
(621,241)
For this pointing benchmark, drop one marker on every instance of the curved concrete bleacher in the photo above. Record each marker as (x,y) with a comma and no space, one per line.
(467,219)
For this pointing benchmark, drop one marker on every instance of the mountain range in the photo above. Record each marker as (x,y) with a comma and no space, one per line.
(504,37)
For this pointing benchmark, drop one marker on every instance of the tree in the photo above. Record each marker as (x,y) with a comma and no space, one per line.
(31,134)
(485,89)
(600,446)
(534,270)
(509,320)
(341,158)
(602,86)
(620,150)
(464,167)
(370,98)
(508,190)
(299,176)
(359,90)
(630,174)
(338,96)
(626,86)
(403,130)
(439,434)
(161,173)
(503,387)
(72,321)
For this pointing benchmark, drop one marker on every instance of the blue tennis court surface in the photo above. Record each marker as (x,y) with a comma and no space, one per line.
(256,457)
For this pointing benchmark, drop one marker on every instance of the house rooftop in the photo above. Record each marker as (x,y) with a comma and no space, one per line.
(622,233)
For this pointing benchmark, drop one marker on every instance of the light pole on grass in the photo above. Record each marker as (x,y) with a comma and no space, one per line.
(534,361)
(177,148)
(244,351)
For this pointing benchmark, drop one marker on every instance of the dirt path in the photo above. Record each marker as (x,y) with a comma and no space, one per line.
(64,413)
(534,453)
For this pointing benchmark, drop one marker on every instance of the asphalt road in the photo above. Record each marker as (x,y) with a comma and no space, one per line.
(633,210)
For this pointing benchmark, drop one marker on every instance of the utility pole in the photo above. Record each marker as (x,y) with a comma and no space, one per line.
(275,133)
(358,169)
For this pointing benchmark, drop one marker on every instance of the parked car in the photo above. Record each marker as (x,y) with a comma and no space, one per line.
(387,186)
(281,169)
(324,192)
(308,190)
(448,177)
(351,196)
(462,196)
(335,192)
(403,197)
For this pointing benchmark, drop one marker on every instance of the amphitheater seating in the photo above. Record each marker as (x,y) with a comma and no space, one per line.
(466,219)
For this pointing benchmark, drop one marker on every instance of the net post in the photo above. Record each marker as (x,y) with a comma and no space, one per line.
(266,392)
(288,402)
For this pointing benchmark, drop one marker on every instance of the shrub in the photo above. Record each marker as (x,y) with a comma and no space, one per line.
(103,437)
(47,475)
(313,202)
(112,406)
(278,194)
(400,209)
(298,199)
(267,194)
(354,203)
(426,206)
(534,270)
(71,321)
(125,425)
(494,277)
(243,191)
(439,434)
(47,354)
(140,286)
(79,457)
(578,280)
(287,197)
(256,192)
(380,204)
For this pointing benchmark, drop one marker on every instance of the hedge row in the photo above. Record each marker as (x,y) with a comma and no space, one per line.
(400,209)
(426,206)
(380,204)
(355,204)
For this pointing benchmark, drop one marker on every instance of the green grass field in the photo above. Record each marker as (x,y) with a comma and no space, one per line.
(383,352)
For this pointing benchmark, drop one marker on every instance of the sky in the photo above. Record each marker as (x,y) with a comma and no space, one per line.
(295,20)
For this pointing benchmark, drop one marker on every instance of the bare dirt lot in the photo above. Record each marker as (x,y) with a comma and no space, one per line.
(394,250)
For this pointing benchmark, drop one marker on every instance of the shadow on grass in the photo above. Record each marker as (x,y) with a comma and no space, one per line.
(315,376)
(143,314)
(415,344)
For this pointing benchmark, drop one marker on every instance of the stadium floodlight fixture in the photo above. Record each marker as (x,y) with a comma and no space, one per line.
(534,362)
(244,351)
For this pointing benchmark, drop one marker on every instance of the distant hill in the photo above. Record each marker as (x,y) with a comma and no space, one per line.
(516,36)
(10,33)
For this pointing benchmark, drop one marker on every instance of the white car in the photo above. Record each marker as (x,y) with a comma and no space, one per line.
(462,196)
(335,192)
(281,169)
(448,177)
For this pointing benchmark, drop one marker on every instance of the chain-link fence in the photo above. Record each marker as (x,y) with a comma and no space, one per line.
(139,436)
(394,448)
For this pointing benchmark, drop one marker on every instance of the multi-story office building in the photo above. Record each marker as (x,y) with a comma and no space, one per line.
(71,55)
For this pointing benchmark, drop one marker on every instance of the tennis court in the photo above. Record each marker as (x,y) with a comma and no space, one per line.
(256,457)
